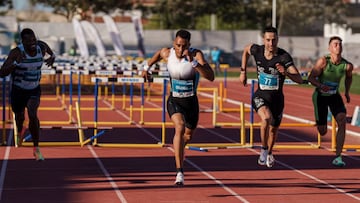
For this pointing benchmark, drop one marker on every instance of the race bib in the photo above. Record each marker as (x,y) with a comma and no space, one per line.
(268,81)
(333,87)
(182,88)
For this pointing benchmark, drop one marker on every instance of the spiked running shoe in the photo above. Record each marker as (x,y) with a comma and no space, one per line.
(270,160)
(263,157)
(37,154)
(179,181)
(338,162)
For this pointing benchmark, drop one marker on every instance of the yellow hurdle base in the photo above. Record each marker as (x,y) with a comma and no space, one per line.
(129,145)
(351,148)
(219,145)
(297,146)
(52,144)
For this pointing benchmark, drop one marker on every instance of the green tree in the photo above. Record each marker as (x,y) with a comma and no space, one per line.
(5,3)
(308,17)
(69,8)
(293,17)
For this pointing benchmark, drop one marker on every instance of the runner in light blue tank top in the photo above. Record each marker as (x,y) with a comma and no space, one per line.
(24,64)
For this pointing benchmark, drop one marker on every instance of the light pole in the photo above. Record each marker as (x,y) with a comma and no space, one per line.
(274,13)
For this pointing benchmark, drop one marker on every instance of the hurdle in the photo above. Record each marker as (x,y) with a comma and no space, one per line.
(25,140)
(163,122)
(152,86)
(60,125)
(142,109)
(355,122)
(111,75)
(242,138)
(50,72)
(96,124)
(111,78)
(213,100)
(65,73)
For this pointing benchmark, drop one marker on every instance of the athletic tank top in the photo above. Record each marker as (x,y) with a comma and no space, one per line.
(332,75)
(269,78)
(27,74)
(183,77)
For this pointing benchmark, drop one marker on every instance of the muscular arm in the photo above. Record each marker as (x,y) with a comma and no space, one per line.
(348,81)
(294,75)
(244,59)
(46,50)
(203,66)
(8,65)
(160,54)
(317,71)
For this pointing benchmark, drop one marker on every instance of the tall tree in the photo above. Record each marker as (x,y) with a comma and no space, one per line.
(307,18)
(6,3)
(293,17)
(69,8)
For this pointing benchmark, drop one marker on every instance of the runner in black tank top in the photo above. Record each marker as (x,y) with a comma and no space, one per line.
(273,64)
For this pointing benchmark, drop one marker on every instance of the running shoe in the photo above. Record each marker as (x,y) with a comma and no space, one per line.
(262,157)
(338,162)
(270,160)
(20,138)
(37,154)
(179,181)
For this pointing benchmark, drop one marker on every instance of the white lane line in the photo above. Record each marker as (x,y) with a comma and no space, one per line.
(294,118)
(5,162)
(317,179)
(107,175)
(285,165)
(297,170)
(222,185)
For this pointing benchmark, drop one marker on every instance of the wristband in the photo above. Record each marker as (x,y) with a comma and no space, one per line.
(194,63)
(146,67)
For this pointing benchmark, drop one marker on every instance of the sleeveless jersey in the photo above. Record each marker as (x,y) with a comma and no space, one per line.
(332,75)
(27,74)
(269,78)
(183,77)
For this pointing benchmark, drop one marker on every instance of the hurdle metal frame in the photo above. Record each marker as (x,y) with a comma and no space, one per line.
(97,124)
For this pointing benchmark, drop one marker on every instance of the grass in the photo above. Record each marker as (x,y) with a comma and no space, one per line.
(355,86)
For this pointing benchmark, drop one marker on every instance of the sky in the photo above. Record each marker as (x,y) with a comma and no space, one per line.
(25,5)
(21,4)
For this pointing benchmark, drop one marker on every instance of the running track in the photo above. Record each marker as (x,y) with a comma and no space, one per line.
(98,174)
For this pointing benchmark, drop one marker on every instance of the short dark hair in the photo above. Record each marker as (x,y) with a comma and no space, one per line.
(183,34)
(26,31)
(334,38)
(270,29)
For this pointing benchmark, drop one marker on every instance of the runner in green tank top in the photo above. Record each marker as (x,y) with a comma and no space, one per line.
(326,76)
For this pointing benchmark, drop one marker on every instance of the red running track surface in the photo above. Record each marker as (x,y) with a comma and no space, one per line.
(97,174)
